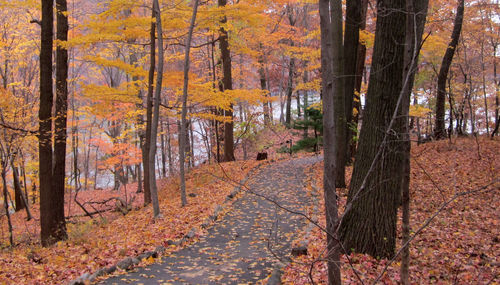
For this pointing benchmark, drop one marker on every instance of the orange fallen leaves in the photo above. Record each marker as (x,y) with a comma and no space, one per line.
(460,246)
(92,245)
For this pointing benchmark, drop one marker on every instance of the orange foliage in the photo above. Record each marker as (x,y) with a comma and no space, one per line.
(460,245)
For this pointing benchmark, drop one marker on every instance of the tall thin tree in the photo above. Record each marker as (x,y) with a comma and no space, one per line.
(182,140)
(156,113)
(440,131)
(329,136)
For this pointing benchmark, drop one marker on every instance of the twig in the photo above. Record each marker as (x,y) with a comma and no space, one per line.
(430,219)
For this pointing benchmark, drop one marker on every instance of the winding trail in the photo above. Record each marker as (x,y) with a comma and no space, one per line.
(244,246)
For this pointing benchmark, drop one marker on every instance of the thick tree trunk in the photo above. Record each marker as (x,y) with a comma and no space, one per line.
(369,224)
(338,93)
(156,113)
(61,115)
(149,113)
(360,68)
(351,43)
(329,136)
(227,84)
(439,131)
(53,227)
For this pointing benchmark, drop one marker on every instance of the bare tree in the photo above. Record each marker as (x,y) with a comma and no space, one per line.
(183,132)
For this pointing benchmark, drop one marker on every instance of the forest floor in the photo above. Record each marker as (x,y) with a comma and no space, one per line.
(244,246)
(461,245)
(112,236)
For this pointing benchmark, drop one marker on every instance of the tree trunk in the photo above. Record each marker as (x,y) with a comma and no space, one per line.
(53,226)
(163,155)
(96,167)
(263,86)
(149,114)
(169,150)
(338,94)
(329,135)
(18,192)
(156,113)
(227,84)
(439,131)
(415,23)
(191,142)
(183,142)
(351,43)
(289,92)
(61,115)
(6,203)
(369,224)
(360,68)
(485,95)
(497,97)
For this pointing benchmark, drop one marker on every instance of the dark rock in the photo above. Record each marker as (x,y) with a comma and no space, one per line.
(275,278)
(262,156)
(126,263)
(300,250)
(111,269)
(191,233)
(160,249)
(82,280)
(147,254)
(98,273)
(192,195)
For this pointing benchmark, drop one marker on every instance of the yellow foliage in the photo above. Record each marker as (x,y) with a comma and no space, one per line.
(419,111)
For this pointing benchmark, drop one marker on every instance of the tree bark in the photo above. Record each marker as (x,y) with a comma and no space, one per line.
(497,97)
(369,224)
(61,116)
(329,136)
(263,86)
(18,192)
(156,113)
(163,154)
(360,68)
(289,92)
(6,203)
(227,84)
(440,131)
(415,23)
(338,93)
(149,114)
(52,223)
(351,43)
(182,140)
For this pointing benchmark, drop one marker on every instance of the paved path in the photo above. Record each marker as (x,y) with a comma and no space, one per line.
(237,249)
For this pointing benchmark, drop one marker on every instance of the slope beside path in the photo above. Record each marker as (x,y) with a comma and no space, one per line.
(247,242)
